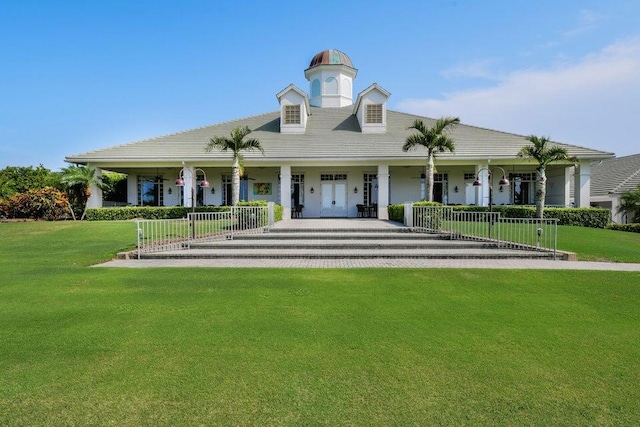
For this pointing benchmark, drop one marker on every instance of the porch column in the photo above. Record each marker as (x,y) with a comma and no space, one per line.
(95,200)
(568,175)
(285,191)
(482,191)
(189,186)
(383,191)
(582,192)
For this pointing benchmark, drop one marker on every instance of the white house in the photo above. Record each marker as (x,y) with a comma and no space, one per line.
(330,152)
(611,179)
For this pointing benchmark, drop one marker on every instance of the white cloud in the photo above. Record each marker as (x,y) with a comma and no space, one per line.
(594,102)
(587,20)
(478,69)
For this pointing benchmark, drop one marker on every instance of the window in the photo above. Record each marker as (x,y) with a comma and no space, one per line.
(469,176)
(522,188)
(370,195)
(315,88)
(373,113)
(331,86)
(292,115)
(226,189)
(150,191)
(297,190)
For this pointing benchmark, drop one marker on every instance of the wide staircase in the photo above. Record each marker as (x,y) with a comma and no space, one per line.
(344,239)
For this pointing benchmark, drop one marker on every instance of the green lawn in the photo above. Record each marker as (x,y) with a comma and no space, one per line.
(98,346)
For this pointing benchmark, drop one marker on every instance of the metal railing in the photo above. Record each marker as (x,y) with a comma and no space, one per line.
(515,233)
(175,234)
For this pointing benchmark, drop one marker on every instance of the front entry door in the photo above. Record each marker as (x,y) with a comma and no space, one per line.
(334,198)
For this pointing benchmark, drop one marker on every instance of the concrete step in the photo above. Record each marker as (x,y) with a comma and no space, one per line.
(268,253)
(341,236)
(319,243)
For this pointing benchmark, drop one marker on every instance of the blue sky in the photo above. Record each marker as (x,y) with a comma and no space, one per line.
(82,75)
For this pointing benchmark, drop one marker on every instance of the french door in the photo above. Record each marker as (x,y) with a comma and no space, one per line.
(334,195)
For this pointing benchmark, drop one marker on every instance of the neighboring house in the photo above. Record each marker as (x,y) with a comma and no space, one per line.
(610,178)
(329,152)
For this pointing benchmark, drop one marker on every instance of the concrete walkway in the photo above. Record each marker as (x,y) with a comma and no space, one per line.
(366,224)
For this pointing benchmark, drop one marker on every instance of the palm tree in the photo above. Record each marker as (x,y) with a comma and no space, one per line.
(436,140)
(630,204)
(79,180)
(236,144)
(543,154)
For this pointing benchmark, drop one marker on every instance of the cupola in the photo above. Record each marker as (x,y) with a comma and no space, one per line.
(330,75)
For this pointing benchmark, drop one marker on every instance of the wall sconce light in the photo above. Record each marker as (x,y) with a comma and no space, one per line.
(311,190)
(169,190)
(355,190)
(213,190)
(501,189)
(455,189)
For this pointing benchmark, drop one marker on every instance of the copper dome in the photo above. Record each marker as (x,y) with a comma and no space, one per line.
(330,57)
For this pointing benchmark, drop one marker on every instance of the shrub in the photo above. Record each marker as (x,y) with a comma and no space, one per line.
(45,203)
(396,212)
(164,212)
(632,228)
(582,217)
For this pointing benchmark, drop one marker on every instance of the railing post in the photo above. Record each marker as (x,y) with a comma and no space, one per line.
(408,214)
(139,232)
(271,213)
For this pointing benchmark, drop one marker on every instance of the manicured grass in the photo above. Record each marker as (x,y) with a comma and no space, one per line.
(596,244)
(81,345)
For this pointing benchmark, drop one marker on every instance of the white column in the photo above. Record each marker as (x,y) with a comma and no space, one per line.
(189,177)
(482,191)
(95,200)
(285,191)
(132,190)
(582,192)
(568,175)
(617,217)
(383,191)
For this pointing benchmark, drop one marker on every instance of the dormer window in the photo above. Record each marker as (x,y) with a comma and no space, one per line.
(373,113)
(292,115)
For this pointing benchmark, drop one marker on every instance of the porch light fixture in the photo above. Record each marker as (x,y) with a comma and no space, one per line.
(455,189)
(355,190)
(504,181)
(311,190)
(169,191)
(213,190)
(204,184)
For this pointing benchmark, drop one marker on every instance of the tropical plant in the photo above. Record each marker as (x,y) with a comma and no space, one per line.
(7,188)
(435,139)
(236,143)
(543,153)
(630,204)
(25,178)
(79,180)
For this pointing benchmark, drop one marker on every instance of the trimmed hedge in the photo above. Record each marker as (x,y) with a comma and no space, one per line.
(396,212)
(164,212)
(581,217)
(632,228)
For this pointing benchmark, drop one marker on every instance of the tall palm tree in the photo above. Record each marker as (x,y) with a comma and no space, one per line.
(236,144)
(543,153)
(630,204)
(79,180)
(436,140)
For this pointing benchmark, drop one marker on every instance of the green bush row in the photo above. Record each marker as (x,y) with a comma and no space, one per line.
(633,228)
(164,212)
(582,217)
